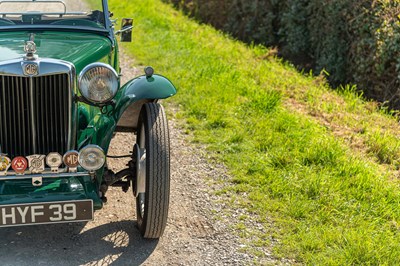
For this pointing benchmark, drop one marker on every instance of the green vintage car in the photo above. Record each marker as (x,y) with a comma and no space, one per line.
(61,103)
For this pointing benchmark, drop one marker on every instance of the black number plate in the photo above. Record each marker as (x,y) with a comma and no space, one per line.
(45,213)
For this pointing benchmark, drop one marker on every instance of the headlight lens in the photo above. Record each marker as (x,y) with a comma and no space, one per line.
(91,157)
(98,83)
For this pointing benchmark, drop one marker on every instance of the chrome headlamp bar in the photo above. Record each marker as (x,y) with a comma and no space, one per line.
(43,175)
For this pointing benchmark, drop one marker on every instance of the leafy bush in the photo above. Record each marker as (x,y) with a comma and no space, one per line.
(354,41)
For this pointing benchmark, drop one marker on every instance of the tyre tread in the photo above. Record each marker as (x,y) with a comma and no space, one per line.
(158,155)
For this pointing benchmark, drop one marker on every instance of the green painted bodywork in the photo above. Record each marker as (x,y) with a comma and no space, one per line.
(78,48)
(155,87)
(94,125)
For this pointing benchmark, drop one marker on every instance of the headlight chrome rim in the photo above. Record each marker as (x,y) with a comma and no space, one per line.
(96,151)
(84,82)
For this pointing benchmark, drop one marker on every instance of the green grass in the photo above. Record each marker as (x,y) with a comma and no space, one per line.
(284,138)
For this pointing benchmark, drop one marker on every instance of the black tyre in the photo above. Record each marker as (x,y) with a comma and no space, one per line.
(153,140)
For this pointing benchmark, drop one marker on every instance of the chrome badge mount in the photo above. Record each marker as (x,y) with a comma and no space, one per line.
(30,48)
(30,67)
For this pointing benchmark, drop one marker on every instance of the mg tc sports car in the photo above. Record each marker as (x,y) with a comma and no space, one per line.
(61,102)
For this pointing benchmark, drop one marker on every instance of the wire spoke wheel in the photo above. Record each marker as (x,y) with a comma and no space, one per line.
(152,202)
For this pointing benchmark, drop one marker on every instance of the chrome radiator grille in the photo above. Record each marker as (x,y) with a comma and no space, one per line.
(34,114)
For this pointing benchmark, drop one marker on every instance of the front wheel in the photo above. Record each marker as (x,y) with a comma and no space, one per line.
(153,186)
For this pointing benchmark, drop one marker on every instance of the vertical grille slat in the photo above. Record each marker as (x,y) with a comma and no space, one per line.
(64,141)
(47,127)
(20,106)
(3,112)
(37,111)
(52,115)
(8,114)
(38,116)
(13,117)
(1,117)
(25,90)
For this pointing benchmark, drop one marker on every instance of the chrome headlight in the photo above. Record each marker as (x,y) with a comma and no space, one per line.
(98,83)
(91,157)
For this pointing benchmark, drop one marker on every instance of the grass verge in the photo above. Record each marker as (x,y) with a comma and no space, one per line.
(276,130)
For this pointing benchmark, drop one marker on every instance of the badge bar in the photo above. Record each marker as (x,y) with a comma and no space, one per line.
(36,163)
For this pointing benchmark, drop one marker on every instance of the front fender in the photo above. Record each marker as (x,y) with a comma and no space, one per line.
(143,88)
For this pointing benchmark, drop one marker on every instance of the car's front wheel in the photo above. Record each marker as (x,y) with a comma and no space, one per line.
(153,186)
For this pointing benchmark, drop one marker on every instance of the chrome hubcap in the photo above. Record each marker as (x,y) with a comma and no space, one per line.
(141,171)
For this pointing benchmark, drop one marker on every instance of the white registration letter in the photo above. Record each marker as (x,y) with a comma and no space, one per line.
(9,215)
(35,212)
(23,212)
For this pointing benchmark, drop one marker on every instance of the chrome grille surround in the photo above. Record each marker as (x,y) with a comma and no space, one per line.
(27,124)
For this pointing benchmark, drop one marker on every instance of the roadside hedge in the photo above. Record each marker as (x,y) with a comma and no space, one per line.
(356,42)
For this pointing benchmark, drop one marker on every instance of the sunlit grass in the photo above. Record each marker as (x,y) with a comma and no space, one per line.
(330,203)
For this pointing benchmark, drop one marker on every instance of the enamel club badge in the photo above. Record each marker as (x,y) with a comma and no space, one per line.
(71,160)
(5,163)
(19,165)
(36,163)
(54,160)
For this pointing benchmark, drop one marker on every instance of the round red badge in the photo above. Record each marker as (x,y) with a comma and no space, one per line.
(19,164)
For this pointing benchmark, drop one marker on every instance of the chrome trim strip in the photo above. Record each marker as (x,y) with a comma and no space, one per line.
(33,121)
(52,175)
(73,115)
(47,66)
